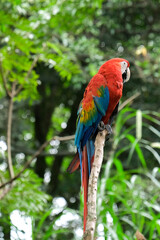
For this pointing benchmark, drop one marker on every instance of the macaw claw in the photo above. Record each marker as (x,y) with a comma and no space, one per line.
(102,126)
(109,129)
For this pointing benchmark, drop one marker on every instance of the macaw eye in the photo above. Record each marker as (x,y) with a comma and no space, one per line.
(123,65)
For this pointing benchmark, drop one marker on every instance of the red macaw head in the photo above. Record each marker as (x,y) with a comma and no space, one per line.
(124,64)
(118,66)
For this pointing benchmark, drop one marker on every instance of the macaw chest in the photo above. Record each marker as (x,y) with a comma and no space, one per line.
(115,93)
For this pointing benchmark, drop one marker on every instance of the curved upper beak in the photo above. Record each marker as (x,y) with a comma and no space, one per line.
(128,75)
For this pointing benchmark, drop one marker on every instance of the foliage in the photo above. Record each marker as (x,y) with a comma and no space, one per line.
(34,200)
(128,197)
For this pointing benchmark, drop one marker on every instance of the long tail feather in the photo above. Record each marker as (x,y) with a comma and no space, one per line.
(84,159)
(85,184)
(74,165)
(90,153)
(88,157)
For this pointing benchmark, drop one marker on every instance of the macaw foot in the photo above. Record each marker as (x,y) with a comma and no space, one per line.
(102,126)
(109,129)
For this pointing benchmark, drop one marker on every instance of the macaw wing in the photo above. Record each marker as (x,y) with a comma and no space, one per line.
(93,108)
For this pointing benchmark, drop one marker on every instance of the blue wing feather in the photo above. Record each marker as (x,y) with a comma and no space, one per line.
(90,153)
(102,102)
(86,129)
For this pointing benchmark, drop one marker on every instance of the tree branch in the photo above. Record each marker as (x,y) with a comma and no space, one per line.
(5,191)
(36,154)
(129,100)
(9,129)
(139,236)
(92,187)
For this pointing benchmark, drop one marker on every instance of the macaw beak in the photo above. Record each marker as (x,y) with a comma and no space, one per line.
(128,75)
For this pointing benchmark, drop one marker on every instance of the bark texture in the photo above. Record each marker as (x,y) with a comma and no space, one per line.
(140,236)
(92,187)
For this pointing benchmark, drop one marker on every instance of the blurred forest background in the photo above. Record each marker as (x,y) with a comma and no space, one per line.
(49,50)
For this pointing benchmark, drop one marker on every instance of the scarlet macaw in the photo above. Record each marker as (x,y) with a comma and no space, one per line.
(97,108)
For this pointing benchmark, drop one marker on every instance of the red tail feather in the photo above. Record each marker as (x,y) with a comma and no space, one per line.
(74,165)
(85,184)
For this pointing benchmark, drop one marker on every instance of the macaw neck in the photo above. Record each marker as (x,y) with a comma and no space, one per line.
(112,74)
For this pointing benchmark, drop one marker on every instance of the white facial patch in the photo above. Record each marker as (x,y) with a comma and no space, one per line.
(125,70)
(123,66)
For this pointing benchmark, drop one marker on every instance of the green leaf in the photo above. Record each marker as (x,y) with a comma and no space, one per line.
(137,148)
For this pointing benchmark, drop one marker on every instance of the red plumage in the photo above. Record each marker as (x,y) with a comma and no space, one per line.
(85,177)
